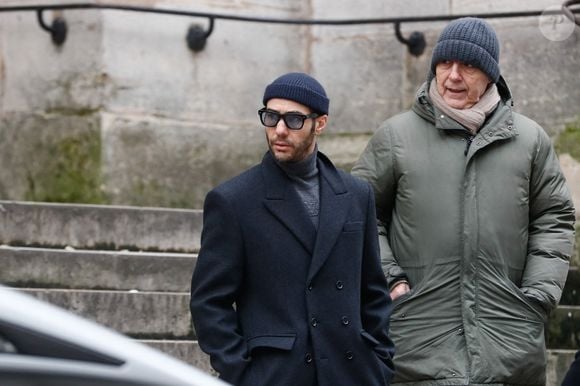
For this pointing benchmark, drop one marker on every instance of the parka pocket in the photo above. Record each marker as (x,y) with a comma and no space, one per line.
(531,310)
(400,303)
(513,350)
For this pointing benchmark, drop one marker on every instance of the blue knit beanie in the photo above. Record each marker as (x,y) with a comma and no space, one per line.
(471,41)
(301,88)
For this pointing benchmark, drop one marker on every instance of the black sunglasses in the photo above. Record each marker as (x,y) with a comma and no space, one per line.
(293,121)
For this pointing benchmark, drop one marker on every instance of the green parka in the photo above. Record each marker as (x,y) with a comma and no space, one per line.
(482,228)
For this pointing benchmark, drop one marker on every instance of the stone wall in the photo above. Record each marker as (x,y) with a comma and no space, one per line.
(125,113)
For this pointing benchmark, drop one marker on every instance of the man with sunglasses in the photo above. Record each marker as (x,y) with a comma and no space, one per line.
(288,288)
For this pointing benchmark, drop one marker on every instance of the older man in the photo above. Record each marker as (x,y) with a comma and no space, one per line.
(476,222)
(288,288)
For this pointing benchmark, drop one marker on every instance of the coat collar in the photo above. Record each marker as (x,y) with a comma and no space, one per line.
(277,183)
(499,125)
(334,208)
(284,204)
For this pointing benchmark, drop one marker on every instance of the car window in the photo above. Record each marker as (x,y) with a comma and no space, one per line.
(29,342)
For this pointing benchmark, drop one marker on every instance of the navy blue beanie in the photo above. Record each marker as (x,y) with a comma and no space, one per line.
(471,41)
(301,88)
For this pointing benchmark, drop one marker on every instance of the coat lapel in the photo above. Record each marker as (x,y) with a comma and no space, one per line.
(284,203)
(334,207)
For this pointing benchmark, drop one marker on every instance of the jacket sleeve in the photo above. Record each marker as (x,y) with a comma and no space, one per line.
(216,281)
(551,228)
(377,166)
(376,302)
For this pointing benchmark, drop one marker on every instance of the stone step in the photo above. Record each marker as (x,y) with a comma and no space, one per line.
(125,270)
(142,315)
(104,227)
(103,270)
(166,315)
(563,330)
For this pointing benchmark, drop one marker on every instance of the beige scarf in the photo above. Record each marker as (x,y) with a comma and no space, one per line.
(473,117)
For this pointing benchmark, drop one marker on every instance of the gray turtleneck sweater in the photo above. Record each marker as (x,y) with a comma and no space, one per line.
(304,177)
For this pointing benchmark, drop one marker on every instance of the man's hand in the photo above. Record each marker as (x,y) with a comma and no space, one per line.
(400,288)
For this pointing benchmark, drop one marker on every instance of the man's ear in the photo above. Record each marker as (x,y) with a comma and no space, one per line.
(321,124)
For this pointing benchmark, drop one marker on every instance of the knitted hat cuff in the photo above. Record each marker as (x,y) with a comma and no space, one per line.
(472,41)
(468,53)
(300,88)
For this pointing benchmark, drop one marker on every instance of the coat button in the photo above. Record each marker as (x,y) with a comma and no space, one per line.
(339,285)
(345,321)
(314,322)
(309,287)
(349,355)
(308,358)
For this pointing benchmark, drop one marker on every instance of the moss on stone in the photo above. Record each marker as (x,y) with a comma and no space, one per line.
(569,141)
(73,173)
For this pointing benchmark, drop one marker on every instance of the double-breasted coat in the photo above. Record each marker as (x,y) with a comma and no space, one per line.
(275,301)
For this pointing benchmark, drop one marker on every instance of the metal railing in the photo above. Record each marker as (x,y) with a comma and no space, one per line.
(197,36)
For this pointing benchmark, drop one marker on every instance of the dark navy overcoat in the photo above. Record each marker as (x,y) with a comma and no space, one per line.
(275,301)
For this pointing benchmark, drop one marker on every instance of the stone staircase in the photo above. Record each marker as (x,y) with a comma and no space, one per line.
(129,268)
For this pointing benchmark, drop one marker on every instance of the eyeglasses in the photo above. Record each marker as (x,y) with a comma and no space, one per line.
(293,121)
